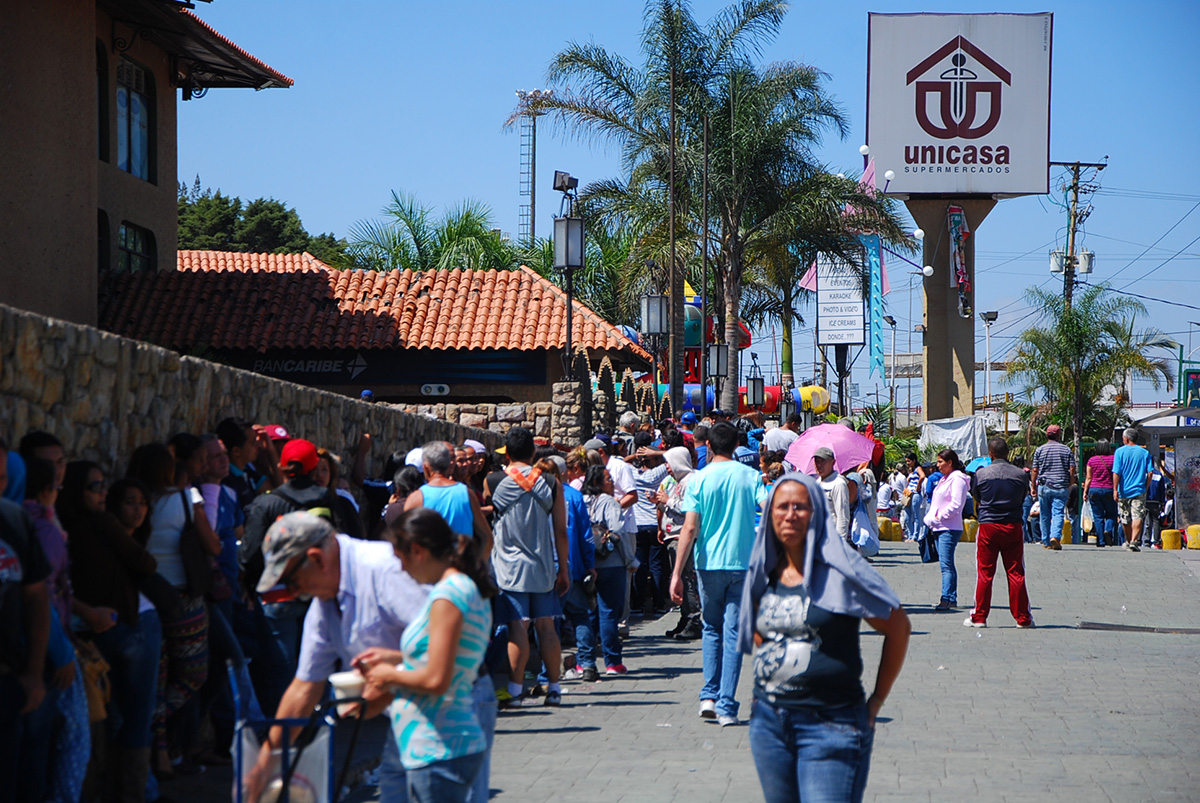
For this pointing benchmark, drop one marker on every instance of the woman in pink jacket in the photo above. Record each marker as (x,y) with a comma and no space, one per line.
(945,520)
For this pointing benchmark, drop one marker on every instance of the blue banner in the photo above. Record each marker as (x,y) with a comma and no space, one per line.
(875,265)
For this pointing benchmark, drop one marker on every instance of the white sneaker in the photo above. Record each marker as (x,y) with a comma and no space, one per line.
(726,721)
(708,709)
(969,622)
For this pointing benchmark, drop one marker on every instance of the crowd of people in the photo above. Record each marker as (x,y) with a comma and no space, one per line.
(465,580)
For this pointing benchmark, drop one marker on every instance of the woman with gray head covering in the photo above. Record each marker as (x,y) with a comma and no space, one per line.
(864,526)
(805,593)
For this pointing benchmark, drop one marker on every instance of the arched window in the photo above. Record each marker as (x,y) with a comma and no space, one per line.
(135,120)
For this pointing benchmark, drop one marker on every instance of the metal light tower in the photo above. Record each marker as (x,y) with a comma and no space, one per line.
(988,318)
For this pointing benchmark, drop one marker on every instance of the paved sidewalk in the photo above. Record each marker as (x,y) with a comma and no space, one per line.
(1056,714)
(1000,714)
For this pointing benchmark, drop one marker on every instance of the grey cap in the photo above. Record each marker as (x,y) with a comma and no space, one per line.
(823,453)
(289,536)
(595,445)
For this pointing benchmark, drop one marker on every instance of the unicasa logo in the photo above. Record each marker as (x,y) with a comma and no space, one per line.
(958,95)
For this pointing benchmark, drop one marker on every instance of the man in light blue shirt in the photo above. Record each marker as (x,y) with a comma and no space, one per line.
(362,599)
(719,505)
(1131,470)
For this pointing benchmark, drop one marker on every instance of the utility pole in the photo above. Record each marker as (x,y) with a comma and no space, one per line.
(704,282)
(675,342)
(1075,218)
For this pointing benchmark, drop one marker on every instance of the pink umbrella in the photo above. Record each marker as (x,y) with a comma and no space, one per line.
(850,449)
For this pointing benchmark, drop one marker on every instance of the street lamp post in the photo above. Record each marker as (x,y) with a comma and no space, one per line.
(989,318)
(717,365)
(656,311)
(568,255)
(755,385)
(926,272)
(890,321)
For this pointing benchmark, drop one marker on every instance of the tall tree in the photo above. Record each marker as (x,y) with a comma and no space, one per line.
(764,123)
(211,221)
(1081,351)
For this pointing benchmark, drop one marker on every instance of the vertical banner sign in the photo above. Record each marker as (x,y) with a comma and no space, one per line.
(959,104)
(875,265)
(839,306)
(960,275)
(1187,482)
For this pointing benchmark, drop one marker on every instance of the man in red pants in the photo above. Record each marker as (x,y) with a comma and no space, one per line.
(1001,489)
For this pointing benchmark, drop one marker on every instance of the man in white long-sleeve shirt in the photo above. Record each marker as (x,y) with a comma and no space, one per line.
(836,490)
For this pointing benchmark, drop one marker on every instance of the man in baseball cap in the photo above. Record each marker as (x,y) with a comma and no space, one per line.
(835,487)
(362,599)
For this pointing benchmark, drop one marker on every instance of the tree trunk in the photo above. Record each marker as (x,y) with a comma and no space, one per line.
(786,368)
(733,304)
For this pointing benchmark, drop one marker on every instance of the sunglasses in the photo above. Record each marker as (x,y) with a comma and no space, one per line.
(97,487)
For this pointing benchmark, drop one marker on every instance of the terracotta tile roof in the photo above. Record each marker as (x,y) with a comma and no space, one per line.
(224,300)
(208,31)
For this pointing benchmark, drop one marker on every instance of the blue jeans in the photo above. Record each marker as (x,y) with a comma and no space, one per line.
(1027,506)
(1053,502)
(916,506)
(947,542)
(132,652)
(576,609)
(720,605)
(1104,515)
(483,694)
(393,780)
(612,583)
(817,756)
(444,781)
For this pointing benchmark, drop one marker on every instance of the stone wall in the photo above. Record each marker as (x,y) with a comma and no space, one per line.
(566,419)
(104,395)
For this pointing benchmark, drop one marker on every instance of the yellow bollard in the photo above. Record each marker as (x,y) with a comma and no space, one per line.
(970,530)
(1172,539)
(1193,536)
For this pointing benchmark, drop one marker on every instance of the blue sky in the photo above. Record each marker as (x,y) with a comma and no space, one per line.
(412,97)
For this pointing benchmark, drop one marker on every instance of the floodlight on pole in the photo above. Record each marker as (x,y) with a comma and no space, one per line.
(988,318)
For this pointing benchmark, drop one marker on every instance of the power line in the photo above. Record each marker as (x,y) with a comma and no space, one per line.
(1156,242)
(1164,262)
(1149,298)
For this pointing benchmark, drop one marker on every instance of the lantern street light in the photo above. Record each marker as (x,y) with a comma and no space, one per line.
(755,385)
(717,364)
(787,405)
(568,256)
(655,323)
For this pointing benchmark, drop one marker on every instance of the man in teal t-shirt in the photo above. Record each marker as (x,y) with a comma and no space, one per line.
(719,504)
(1131,470)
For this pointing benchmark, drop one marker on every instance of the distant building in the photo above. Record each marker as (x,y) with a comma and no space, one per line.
(88,144)
(436,336)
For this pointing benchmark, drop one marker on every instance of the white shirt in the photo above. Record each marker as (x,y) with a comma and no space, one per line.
(166,525)
(376,599)
(624,481)
(779,439)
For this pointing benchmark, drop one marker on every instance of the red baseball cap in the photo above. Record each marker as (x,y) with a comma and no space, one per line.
(276,432)
(299,451)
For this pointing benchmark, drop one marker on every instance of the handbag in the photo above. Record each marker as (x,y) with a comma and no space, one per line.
(197,567)
(94,670)
(164,597)
(929,551)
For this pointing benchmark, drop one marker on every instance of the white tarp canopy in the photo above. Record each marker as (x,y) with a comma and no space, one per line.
(967,436)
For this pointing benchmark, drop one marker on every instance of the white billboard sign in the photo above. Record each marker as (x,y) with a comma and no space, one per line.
(840,306)
(959,104)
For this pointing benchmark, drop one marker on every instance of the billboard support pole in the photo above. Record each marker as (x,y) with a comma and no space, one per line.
(948,353)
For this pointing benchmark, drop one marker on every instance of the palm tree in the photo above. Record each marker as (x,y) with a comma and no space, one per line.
(408,238)
(826,222)
(1084,349)
(763,126)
